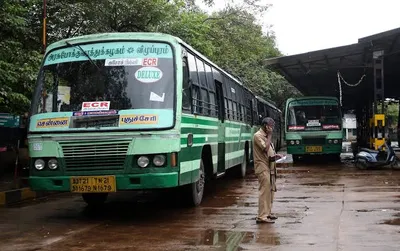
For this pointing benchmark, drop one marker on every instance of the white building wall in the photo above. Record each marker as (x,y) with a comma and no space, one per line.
(350,125)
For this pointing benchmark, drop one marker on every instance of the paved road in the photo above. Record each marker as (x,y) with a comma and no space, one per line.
(320,207)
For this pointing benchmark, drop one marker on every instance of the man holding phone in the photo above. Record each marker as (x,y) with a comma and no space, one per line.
(264,158)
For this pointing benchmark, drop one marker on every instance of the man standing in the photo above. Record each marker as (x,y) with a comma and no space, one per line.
(264,152)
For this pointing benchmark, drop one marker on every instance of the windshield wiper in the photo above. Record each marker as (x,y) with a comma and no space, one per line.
(84,52)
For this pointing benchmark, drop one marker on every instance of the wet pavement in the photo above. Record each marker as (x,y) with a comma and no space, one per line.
(320,206)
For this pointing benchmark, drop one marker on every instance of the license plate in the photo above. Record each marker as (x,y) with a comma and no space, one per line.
(93,184)
(313,149)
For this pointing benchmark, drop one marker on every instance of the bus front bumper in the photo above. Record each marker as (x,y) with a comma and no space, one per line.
(326,149)
(123,182)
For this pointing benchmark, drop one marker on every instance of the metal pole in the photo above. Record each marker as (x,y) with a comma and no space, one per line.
(398,126)
(44,25)
(44,47)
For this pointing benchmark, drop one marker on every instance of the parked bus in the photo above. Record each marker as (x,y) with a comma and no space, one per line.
(313,126)
(268,109)
(130,111)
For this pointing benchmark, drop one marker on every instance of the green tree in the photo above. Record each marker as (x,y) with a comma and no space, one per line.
(190,27)
(78,17)
(19,60)
(241,47)
(392,114)
(233,38)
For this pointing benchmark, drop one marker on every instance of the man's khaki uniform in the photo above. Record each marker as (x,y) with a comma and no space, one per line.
(262,169)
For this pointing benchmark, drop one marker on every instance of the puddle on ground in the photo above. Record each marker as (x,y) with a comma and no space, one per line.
(299,198)
(364,211)
(395,222)
(321,184)
(226,238)
(377,189)
(247,204)
(293,222)
(230,240)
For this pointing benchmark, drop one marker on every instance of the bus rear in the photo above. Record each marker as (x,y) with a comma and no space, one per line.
(313,126)
(103,115)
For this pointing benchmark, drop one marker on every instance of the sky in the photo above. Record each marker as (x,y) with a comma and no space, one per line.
(308,25)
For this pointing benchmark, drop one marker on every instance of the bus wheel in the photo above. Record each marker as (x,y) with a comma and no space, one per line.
(195,191)
(94,199)
(296,157)
(243,167)
(336,157)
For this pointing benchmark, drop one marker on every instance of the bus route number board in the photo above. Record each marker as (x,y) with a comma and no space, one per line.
(93,184)
(313,149)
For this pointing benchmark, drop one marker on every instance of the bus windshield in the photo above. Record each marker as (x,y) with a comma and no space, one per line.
(314,117)
(127,81)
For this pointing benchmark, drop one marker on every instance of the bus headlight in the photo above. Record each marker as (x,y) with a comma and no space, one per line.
(53,164)
(39,164)
(159,160)
(297,142)
(292,142)
(336,141)
(330,141)
(143,161)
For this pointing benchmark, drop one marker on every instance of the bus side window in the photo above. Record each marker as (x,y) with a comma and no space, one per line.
(196,100)
(185,86)
(213,105)
(250,112)
(234,110)
(243,116)
(205,101)
(226,108)
(230,109)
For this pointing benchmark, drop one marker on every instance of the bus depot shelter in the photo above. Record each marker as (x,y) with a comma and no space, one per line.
(360,75)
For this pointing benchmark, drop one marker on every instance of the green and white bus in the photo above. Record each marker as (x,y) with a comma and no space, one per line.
(313,125)
(134,111)
(268,109)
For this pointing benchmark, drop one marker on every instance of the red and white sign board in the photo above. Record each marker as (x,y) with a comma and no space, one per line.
(150,62)
(96,106)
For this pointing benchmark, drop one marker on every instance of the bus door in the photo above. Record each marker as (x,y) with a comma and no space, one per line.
(221,128)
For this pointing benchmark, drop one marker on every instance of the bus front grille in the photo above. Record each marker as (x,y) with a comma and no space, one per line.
(313,141)
(94,156)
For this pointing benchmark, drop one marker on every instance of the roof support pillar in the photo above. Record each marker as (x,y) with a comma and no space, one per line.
(377,123)
(379,90)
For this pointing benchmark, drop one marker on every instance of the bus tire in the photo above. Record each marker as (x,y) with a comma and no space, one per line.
(336,157)
(239,171)
(94,199)
(243,166)
(194,192)
(296,158)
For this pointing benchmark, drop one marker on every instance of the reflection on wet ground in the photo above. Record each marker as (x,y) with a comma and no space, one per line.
(321,206)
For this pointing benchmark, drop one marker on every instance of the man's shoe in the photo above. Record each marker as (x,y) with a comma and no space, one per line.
(258,221)
(272,217)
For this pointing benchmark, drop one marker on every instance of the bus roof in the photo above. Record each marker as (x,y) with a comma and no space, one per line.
(113,36)
(312,97)
(270,103)
(139,36)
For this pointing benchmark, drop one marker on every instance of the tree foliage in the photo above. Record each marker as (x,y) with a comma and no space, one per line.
(392,114)
(232,37)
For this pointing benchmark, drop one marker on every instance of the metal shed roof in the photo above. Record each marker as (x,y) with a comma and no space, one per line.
(316,72)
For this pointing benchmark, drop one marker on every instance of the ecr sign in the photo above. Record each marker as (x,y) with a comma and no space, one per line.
(96,106)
